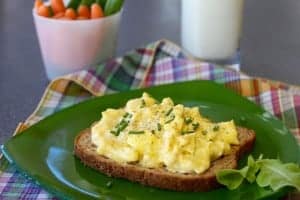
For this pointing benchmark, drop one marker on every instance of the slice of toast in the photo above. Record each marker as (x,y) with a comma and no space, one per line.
(161,178)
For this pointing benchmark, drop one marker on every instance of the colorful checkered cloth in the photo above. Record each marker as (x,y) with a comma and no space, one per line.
(157,63)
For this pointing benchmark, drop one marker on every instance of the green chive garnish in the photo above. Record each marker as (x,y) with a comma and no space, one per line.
(136,132)
(153,131)
(169,111)
(204,132)
(158,127)
(122,124)
(171,119)
(187,132)
(114,133)
(126,115)
(143,103)
(195,125)
(216,128)
(188,120)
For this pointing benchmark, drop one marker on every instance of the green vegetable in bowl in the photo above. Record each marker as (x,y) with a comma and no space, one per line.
(87,2)
(112,6)
(266,172)
(101,3)
(74,4)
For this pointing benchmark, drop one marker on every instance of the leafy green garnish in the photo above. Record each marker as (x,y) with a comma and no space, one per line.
(112,7)
(265,172)
(232,178)
(277,175)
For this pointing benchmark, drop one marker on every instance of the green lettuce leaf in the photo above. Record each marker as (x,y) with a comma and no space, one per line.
(277,175)
(253,168)
(232,178)
(266,172)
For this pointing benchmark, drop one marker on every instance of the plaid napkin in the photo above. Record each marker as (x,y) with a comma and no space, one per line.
(157,63)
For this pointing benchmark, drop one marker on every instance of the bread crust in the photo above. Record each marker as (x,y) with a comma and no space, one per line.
(161,178)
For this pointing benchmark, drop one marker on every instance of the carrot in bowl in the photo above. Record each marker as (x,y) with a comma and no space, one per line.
(58,6)
(70,13)
(44,11)
(59,15)
(37,4)
(65,18)
(96,11)
(84,11)
(82,18)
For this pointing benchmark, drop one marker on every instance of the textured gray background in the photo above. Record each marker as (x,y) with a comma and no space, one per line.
(270,46)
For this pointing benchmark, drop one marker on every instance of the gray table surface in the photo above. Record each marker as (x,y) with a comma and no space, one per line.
(270,46)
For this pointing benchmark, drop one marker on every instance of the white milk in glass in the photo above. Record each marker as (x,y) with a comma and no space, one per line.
(211,28)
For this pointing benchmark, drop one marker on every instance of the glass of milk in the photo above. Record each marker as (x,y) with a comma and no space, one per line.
(211,29)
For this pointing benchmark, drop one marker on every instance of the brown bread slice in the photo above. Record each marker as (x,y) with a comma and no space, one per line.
(161,178)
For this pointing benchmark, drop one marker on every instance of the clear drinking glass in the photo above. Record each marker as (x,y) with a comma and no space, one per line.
(211,29)
(71,45)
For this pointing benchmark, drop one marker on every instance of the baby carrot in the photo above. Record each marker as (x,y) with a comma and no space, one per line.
(84,11)
(65,18)
(70,13)
(96,11)
(44,11)
(58,6)
(82,18)
(59,15)
(37,4)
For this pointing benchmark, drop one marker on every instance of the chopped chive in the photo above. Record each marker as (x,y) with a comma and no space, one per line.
(109,184)
(187,132)
(216,128)
(169,111)
(122,124)
(158,126)
(143,104)
(188,120)
(115,133)
(126,115)
(171,119)
(136,132)
(204,132)
(195,125)
(153,132)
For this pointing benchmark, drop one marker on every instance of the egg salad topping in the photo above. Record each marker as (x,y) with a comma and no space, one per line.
(160,134)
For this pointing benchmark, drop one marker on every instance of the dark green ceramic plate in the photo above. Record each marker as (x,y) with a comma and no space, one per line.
(44,152)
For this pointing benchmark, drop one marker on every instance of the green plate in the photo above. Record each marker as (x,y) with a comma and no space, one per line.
(44,152)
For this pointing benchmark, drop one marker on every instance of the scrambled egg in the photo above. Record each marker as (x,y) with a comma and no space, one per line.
(154,135)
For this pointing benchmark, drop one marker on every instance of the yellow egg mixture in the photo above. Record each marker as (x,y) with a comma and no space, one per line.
(153,135)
